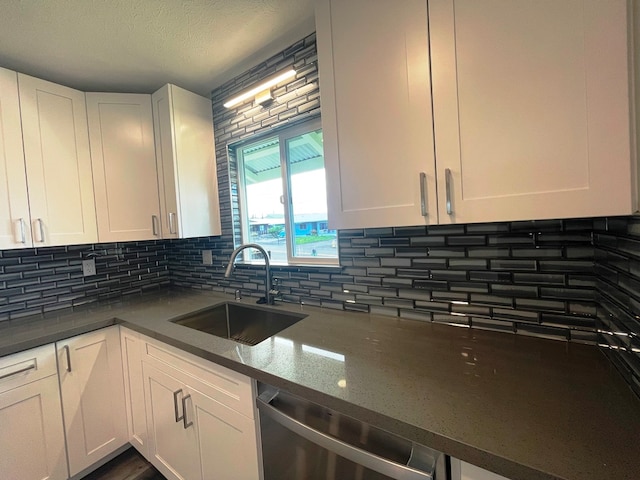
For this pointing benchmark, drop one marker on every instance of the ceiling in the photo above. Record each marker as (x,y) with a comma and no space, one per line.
(139,45)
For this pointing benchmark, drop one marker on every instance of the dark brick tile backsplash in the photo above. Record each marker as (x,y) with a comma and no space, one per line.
(40,280)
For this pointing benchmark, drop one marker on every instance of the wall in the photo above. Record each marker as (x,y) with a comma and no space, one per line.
(39,280)
(570,280)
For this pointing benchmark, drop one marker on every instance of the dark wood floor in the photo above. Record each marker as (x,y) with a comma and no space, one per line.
(129,465)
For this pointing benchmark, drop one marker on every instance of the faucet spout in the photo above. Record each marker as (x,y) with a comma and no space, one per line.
(268,297)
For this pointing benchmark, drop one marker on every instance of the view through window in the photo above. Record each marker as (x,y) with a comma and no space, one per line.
(283,197)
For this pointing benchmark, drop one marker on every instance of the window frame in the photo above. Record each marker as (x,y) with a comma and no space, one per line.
(283,135)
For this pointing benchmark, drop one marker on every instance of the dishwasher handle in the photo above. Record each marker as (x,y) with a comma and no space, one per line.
(368,460)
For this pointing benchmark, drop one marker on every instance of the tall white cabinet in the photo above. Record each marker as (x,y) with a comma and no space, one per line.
(185,151)
(58,163)
(93,401)
(124,166)
(15,223)
(532,110)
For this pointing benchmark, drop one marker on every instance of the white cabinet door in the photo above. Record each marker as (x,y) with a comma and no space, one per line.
(226,439)
(31,434)
(124,166)
(15,224)
(376,112)
(194,422)
(183,123)
(90,370)
(531,108)
(173,449)
(58,163)
(134,388)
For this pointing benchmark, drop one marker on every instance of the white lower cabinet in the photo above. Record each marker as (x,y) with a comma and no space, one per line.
(31,433)
(465,471)
(192,433)
(173,449)
(93,402)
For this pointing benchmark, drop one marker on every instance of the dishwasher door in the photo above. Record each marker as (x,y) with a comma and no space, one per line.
(305,441)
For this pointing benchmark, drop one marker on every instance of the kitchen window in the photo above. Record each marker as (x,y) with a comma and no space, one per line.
(283,199)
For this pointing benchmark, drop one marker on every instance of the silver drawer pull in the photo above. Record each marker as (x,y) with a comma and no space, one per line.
(447,186)
(17,372)
(184,412)
(423,194)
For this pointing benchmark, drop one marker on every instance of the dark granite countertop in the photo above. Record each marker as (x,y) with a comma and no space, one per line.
(524,408)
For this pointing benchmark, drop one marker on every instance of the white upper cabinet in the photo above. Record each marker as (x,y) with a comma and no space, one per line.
(183,123)
(376,112)
(531,108)
(124,166)
(58,163)
(15,231)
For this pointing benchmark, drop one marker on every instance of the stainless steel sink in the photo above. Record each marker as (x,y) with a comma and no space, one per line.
(242,323)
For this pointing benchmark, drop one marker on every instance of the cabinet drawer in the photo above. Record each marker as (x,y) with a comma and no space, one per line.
(223,385)
(28,366)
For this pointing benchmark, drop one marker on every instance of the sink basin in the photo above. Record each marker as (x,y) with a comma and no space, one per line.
(242,323)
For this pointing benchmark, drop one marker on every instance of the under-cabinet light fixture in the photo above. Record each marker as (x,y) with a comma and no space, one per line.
(261,92)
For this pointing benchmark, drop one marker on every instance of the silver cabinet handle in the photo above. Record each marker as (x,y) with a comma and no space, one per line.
(68,353)
(22,370)
(423,194)
(175,406)
(362,457)
(447,186)
(171,225)
(41,227)
(154,225)
(184,412)
(23,233)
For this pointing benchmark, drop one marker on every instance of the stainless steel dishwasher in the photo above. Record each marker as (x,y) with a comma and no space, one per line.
(305,441)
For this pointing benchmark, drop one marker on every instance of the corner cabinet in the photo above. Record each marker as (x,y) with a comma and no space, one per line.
(200,417)
(186,163)
(376,112)
(58,163)
(31,435)
(124,166)
(531,121)
(132,351)
(15,223)
(93,401)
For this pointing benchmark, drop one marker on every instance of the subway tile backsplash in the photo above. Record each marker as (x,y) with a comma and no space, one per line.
(39,280)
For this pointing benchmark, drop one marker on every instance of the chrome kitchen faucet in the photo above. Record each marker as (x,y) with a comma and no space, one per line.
(269,294)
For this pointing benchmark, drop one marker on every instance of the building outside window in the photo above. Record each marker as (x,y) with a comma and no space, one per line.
(282,195)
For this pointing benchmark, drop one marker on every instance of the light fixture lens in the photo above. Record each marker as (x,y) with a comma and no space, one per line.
(260,88)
